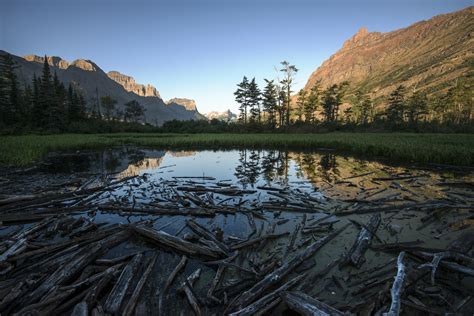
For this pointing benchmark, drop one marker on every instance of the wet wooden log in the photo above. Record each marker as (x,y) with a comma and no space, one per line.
(200,230)
(397,288)
(177,244)
(276,276)
(261,304)
(162,210)
(118,292)
(81,309)
(307,305)
(215,283)
(71,268)
(94,293)
(361,244)
(130,307)
(15,249)
(169,281)
(257,240)
(17,198)
(187,289)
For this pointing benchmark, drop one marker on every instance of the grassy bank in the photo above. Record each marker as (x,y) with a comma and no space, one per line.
(455,149)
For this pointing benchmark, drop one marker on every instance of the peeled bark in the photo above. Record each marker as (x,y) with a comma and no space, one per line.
(397,287)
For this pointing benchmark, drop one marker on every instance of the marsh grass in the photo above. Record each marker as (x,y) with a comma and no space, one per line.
(454,149)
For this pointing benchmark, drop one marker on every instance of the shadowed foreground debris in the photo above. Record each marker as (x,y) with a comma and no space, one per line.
(135,246)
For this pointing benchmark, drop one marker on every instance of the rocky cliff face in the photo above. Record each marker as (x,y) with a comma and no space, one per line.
(130,85)
(55,61)
(87,77)
(427,55)
(188,104)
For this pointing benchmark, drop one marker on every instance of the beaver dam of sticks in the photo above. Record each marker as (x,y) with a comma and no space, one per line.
(129,231)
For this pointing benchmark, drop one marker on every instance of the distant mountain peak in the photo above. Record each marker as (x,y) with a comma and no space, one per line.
(86,65)
(226,116)
(129,83)
(188,104)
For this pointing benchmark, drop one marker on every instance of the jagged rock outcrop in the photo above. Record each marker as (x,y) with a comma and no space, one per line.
(83,64)
(226,116)
(130,85)
(187,103)
(52,60)
(90,79)
(427,55)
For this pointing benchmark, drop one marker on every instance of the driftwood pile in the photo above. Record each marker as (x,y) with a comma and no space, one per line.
(199,245)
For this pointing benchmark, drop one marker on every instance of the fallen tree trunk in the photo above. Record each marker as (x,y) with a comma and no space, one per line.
(116,296)
(163,239)
(308,306)
(276,276)
(356,254)
(261,304)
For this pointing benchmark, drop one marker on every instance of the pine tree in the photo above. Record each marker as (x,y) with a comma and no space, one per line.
(270,101)
(396,105)
(254,97)
(312,104)
(301,102)
(289,73)
(417,105)
(241,97)
(329,103)
(362,108)
(134,111)
(282,106)
(9,91)
(46,98)
(57,109)
(108,104)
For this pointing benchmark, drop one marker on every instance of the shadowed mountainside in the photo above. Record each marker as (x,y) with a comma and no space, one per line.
(88,78)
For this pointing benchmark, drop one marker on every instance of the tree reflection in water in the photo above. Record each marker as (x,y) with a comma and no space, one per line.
(248,168)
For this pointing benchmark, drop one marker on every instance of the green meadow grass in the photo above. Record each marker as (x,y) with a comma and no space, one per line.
(454,149)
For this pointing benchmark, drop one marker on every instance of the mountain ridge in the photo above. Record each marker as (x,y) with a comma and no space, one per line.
(93,82)
(426,55)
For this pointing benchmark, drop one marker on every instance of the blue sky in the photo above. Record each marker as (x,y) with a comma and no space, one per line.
(200,49)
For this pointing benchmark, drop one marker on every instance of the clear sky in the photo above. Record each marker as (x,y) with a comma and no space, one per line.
(200,49)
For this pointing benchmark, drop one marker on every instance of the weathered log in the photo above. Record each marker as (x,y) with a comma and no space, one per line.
(200,230)
(16,248)
(175,243)
(187,288)
(93,294)
(76,264)
(139,287)
(276,276)
(80,309)
(257,240)
(264,301)
(361,244)
(397,287)
(307,305)
(215,282)
(169,281)
(117,295)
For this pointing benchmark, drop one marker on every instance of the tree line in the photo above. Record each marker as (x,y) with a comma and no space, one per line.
(46,104)
(334,106)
